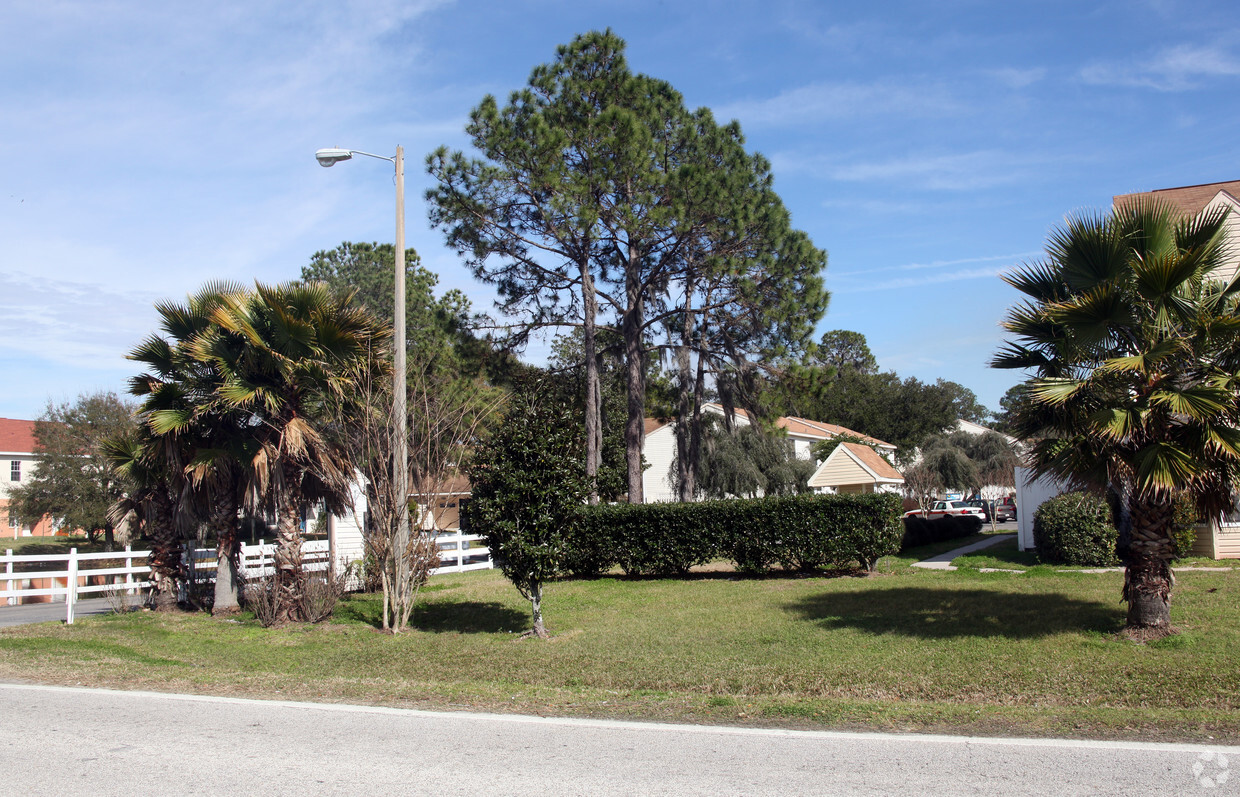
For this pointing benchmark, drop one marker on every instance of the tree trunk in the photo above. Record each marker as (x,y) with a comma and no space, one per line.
(686,466)
(287,558)
(695,421)
(539,630)
(165,559)
(635,379)
(1147,575)
(227,551)
(594,425)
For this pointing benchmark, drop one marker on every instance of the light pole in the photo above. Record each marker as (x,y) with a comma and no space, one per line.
(400,436)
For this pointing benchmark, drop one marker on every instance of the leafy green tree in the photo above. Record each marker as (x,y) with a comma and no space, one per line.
(1133,346)
(903,412)
(435,328)
(601,197)
(528,483)
(749,460)
(73,483)
(1009,405)
(842,349)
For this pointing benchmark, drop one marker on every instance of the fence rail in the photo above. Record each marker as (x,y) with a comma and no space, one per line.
(67,579)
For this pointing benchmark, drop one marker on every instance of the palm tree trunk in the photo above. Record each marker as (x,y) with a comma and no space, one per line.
(227,550)
(165,558)
(1147,576)
(287,558)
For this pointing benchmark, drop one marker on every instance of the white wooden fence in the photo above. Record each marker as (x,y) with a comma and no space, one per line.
(69,577)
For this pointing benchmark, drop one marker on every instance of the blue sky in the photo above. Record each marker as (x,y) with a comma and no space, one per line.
(151,147)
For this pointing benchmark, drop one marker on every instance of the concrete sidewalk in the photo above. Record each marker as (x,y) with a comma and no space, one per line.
(943,560)
(55,612)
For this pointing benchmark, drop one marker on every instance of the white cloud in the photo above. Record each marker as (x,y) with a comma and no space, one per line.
(1019,78)
(1178,68)
(936,264)
(821,101)
(919,281)
(81,325)
(965,171)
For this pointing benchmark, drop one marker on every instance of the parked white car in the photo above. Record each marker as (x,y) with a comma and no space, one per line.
(944,508)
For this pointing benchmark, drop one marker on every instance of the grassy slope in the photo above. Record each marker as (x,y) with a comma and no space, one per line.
(907,649)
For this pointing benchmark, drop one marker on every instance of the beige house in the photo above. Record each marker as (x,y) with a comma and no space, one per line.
(856,468)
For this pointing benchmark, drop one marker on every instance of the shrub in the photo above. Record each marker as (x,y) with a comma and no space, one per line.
(804,532)
(924,531)
(260,597)
(1075,529)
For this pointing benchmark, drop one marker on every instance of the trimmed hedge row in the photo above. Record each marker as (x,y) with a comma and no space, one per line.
(804,532)
(920,531)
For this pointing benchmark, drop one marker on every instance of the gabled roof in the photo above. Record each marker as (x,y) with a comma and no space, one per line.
(810,428)
(853,464)
(654,423)
(16,437)
(880,467)
(791,424)
(1189,199)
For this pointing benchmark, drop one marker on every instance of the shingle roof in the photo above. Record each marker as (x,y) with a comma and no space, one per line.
(808,427)
(870,458)
(795,425)
(16,436)
(654,423)
(1189,199)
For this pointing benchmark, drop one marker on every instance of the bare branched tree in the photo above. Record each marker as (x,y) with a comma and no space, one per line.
(445,417)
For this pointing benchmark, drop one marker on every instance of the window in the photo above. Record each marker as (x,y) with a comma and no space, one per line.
(15,471)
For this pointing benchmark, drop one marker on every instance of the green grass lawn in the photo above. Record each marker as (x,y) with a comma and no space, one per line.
(25,546)
(961,652)
(1005,555)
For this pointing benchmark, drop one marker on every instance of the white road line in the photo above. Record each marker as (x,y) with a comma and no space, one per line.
(722,730)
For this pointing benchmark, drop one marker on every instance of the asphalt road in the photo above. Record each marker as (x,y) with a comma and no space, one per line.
(65,741)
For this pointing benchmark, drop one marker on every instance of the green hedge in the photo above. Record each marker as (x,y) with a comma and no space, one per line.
(805,532)
(922,531)
(1075,529)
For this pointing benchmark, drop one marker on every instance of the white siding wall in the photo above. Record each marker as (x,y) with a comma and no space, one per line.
(660,452)
(345,531)
(1029,496)
(27,464)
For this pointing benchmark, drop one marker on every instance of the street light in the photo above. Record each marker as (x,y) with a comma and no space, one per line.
(400,438)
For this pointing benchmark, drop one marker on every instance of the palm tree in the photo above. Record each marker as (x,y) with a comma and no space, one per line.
(142,464)
(1133,345)
(180,406)
(290,358)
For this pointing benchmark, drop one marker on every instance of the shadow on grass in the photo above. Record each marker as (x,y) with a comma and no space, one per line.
(948,613)
(461,617)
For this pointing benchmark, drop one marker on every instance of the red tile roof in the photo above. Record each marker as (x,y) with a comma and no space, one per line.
(1189,199)
(16,436)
